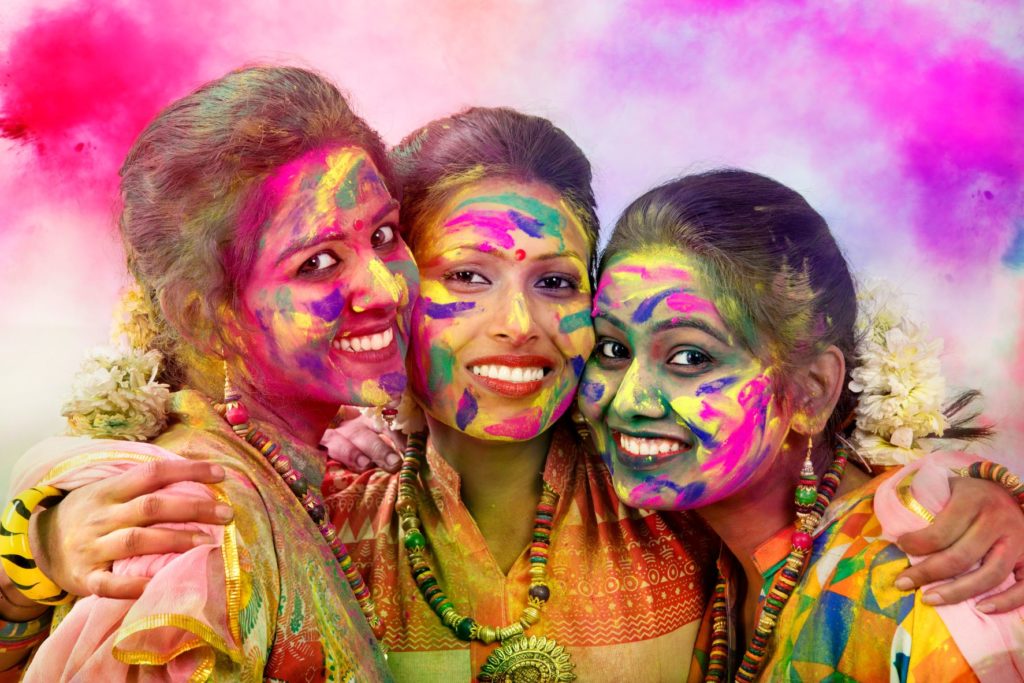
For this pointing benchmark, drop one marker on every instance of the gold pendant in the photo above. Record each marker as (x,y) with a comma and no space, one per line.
(528,660)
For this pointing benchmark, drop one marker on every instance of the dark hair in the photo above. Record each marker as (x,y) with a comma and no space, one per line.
(449,153)
(191,187)
(782,283)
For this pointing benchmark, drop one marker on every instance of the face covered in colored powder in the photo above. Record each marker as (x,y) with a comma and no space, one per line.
(324,314)
(503,328)
(683,414)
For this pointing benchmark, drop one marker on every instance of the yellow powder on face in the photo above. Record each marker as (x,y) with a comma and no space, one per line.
(436,292)
(371,392)
(519,314)
(383,278)
(340,164)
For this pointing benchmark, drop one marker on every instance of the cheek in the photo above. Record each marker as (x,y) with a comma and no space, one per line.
(596,390)
(573,332)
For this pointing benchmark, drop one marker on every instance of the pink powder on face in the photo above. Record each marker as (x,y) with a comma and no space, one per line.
(521,428)
(736,450)
(685,302)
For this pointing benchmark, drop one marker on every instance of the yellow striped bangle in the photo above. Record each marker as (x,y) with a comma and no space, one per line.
(15,553)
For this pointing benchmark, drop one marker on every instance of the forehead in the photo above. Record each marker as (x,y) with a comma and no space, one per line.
(505,215)
(653,283)
(333,177)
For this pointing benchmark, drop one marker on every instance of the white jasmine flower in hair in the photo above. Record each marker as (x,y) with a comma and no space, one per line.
(899,380)
(115,395)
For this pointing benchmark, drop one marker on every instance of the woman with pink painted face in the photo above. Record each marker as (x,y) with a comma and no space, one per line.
(720,381)
(260,221)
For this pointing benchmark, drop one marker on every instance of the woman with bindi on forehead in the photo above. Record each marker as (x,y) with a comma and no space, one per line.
(504,267)
(276,286)
(720,383)
(501,517)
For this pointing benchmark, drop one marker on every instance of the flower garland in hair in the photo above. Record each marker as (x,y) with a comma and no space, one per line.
(899,380)
(114,394)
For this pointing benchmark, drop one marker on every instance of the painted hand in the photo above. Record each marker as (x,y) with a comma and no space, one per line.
(359,444)
(979,524)
(76,541)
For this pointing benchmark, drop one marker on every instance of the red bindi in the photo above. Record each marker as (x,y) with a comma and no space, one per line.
(520,254)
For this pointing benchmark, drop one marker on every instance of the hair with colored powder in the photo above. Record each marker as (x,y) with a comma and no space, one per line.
(191,188)
(780,280)
(447,154)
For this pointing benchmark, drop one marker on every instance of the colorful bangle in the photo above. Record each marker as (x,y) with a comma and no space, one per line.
(983,469)
(15,553)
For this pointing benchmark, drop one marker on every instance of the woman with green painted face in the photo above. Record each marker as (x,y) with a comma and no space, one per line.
(721,384)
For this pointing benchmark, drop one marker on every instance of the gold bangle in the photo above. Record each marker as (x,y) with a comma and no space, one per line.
(15,553)
(992,471)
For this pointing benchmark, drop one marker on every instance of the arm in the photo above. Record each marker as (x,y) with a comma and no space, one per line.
(76,542)
(979,524)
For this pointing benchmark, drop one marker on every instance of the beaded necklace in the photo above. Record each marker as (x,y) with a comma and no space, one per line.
(809,514)
(237,416)
(519,658)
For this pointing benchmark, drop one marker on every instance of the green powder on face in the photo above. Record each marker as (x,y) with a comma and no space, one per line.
(348,191)
(442,365)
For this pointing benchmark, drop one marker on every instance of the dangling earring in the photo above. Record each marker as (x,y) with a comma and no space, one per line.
(580,422)
(807,488)
(233,411)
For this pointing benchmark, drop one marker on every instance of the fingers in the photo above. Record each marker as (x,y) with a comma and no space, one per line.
(106,585)
(951,523)
(159,508)
(381,453)
(997,566)
(1010,599)
(153,476)
(135,541)
(344,452)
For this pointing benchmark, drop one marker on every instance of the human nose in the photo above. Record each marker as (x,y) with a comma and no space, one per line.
(514,322)
(638,395)
(375,288)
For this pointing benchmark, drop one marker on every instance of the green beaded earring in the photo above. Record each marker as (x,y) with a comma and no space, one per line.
(807,488)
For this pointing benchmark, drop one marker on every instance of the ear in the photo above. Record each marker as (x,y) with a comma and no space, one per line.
(194,321)
(818,385)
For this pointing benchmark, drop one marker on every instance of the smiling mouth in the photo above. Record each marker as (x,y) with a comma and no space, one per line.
(513,376)
(645,452)
(368,347)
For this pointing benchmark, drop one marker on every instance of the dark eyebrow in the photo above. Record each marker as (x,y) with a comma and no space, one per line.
(299,245)
(694,323)
(674,323)
(384,211)
(333,234)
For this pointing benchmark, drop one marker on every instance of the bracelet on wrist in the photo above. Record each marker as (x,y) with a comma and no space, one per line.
(992,471)
(15,552)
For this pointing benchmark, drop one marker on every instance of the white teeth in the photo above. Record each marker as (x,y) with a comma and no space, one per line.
(637,445)
(370,342)
(505,373)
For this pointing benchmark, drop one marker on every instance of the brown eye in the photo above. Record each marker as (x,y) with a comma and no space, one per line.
(466,277)
(382,236)
(612,349)
(319,262)
(691,359)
